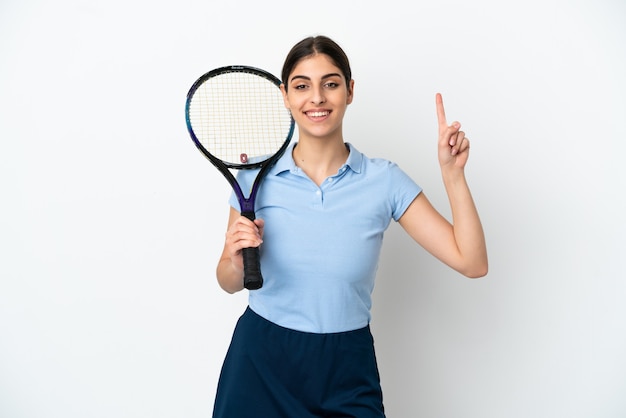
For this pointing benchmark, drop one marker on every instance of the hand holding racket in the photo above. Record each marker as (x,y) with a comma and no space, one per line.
(237,118)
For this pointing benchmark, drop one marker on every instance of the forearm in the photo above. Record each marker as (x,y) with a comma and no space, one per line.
(467,228)
(229,278)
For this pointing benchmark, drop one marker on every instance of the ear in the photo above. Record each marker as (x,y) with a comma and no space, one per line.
(283,90)
(350,92)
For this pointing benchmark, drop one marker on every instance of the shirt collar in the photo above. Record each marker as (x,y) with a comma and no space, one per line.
(355,159)
(286,162)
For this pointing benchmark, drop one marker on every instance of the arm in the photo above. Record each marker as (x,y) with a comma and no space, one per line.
(460,244)
(241,233)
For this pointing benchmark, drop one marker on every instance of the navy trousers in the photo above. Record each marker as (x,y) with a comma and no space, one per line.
(275,372)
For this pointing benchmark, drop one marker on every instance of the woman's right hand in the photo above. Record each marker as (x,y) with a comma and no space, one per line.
(242,233)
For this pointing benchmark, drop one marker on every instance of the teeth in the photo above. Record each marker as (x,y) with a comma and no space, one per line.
(317,114)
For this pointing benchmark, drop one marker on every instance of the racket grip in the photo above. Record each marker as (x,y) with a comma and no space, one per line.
(252,278)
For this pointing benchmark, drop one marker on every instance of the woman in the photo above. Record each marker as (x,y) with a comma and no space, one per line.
(303,348)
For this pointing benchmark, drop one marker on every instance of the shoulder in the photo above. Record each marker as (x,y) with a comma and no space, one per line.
(360,162)
(381,167)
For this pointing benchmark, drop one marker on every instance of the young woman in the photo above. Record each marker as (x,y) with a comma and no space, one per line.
(303,347)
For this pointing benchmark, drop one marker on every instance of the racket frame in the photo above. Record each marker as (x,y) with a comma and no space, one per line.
(252,274)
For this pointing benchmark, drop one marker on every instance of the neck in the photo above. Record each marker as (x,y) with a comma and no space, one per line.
(320,160)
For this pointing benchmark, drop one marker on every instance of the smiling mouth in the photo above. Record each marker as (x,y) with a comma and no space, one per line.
(318,114)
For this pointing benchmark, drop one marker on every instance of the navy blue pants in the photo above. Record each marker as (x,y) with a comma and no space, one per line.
(275,372)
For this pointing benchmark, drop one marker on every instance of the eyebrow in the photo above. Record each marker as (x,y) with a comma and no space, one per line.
(296,77)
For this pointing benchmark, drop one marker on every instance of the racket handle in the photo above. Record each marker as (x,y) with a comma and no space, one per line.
(252,278)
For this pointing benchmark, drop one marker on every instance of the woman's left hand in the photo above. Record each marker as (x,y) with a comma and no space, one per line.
(453,144)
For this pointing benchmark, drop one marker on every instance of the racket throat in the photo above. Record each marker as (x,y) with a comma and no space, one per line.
(248,214)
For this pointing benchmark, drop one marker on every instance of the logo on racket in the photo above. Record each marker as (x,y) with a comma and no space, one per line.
(243,158)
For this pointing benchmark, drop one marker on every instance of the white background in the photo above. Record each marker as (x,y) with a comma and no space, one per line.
(111,222)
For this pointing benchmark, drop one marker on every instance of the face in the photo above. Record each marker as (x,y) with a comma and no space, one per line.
(317,97)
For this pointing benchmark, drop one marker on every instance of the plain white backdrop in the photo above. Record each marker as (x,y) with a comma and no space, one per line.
(111,222)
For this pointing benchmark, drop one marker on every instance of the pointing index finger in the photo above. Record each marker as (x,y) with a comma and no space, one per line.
(441,113)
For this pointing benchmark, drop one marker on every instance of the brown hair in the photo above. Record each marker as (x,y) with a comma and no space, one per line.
(314,45)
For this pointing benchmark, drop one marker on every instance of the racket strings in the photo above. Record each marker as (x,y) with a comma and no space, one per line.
(239,117)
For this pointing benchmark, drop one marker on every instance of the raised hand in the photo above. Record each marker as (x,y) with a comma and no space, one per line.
(453,144)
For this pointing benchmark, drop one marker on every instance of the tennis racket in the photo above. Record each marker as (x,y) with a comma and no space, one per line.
(237,118)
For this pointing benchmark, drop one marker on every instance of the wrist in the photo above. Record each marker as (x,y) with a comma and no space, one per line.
(453,174)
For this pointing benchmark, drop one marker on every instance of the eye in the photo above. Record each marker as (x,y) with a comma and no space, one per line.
(331,85)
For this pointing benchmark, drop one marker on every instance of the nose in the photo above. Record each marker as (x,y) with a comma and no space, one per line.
(317,97)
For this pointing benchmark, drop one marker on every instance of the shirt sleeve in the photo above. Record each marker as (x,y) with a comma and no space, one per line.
(403,191)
